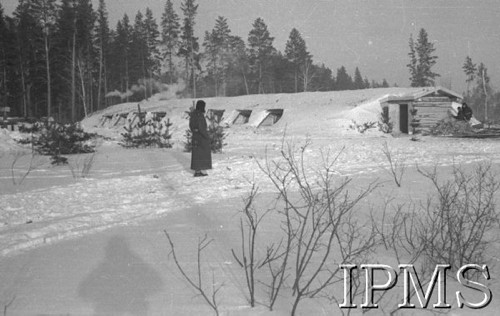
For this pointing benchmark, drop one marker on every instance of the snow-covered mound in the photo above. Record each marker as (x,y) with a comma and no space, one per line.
(322,114)
(7,142)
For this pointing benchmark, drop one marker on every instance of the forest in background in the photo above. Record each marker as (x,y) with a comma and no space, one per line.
(62,59)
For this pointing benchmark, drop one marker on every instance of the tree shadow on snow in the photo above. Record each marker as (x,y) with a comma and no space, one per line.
(121,283)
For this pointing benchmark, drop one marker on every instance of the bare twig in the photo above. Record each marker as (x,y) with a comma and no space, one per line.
(317,216)
(81,167)
(7,305)
(197,284)
(34,163)
(397,167)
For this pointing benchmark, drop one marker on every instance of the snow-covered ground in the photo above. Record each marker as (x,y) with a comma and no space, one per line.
(128,186)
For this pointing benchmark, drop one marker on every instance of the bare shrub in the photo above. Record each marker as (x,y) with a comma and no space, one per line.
(397,167)
(6,305)
(318,222)
(363,127)
(35,162)
(401,234)
(80,167)
(249,228)
(197,281)
(457,223)
(247,259)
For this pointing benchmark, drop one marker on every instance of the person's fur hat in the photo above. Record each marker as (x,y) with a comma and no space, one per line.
(200,106)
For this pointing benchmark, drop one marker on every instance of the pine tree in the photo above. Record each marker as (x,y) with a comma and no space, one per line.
(45,12)
(170,37)
(189,46)
(223,35)
(240,62)
(152,43)
(482,91)
(138,52)
(30,66)
(85,54)
(64,56)
(358,80)
(211,55)
(102,40)
(323,81)
(296,52)
(413,65)
(421,61)
(366,83)
(260,51)
(470,70)
(8,61)
(343,80)
(218,52)
(121,51)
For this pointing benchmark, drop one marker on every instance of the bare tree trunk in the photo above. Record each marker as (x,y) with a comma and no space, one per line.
(485,97)
(144,78)
(23,84)
(193,71)
(296,80)
(245,81)
(47,63)
(260,89)
(28,98)
(73,75)
(170,67)
(90,88)
(99,87)
(126,76)
(82,82)
(105,86)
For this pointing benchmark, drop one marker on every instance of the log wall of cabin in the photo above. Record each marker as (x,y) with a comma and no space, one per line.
(430,113)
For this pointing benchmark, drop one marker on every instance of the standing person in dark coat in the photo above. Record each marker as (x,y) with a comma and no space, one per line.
(201,154)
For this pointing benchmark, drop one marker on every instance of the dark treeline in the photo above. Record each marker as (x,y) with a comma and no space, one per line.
(62,59)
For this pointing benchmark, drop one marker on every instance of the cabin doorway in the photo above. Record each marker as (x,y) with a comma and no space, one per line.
(403,118)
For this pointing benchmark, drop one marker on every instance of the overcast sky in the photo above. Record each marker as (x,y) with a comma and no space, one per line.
(370,34)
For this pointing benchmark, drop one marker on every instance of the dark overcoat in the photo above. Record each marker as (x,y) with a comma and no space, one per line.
(201,155)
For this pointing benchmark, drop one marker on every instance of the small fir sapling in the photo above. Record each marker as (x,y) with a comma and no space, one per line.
(154,132)
(385,125)
(216,133)
(415,123)
(188,146)
(56,139)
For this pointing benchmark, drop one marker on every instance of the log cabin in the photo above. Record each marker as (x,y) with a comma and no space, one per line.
(427,106)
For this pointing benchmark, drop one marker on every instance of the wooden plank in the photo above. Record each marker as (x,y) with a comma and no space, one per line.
(432,104)
(432,111)
(4,109)
(434,99)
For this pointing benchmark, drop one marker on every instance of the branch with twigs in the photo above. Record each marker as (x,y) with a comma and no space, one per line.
(6,305)
(34,163)
(397,167)
(318,217)
(197,283)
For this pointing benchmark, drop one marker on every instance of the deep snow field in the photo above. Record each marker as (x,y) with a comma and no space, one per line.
(128,191)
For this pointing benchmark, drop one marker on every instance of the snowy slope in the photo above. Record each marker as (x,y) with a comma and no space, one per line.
(127,185)
(315,113)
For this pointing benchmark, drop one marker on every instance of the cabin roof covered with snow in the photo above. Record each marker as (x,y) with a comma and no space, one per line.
(424,92)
